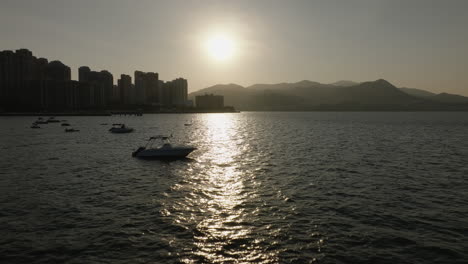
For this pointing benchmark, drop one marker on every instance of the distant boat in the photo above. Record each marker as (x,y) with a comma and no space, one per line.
(65,124)
(187,124)
(120,128)
(53,120)
(164,151)
(71,130)
(41,121)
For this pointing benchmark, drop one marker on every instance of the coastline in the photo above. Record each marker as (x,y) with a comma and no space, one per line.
(110,113)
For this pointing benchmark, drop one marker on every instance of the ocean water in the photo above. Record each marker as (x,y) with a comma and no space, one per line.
(319,187)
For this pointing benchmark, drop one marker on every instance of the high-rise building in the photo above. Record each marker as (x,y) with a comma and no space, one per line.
(83,73)
(59,92)
(147,88)
(97,89)
(58,71)
(125,90)
(30,83)
(7,60)
(99,86)
(115,94)
(27,83)
(179,92)
(152,88)
(140,87)
(107,82)
(174,93)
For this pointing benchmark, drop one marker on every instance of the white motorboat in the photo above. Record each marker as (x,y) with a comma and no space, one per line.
(120,128)
(165,150)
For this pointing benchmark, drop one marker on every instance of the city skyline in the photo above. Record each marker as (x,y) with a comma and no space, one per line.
(417,44)
(31,83)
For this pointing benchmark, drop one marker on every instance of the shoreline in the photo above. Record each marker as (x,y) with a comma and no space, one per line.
(109,113)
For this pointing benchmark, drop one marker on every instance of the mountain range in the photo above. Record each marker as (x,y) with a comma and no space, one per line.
(379,95)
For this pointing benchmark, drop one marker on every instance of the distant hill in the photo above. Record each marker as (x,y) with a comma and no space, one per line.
(283,86)
(449,98)
(417,92)
(307,95)
(344,83)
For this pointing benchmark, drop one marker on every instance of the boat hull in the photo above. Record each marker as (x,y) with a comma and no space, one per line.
(164,153)
(121,130)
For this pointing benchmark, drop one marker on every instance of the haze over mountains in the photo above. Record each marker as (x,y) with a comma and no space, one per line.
(342,95)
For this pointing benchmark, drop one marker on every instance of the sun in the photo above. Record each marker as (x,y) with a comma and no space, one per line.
(220,47)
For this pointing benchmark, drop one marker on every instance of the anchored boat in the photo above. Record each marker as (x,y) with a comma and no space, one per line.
(164,150)
(120,128)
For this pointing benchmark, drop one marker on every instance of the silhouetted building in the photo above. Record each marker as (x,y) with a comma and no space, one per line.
(59,93)
(140,88)
(147,88)
(209,101)
(174,93)
(115,94)
(85,96)
(100,85)
(107,82)
(126,90)
(58,71)
(83,73)
(152,88)
(98,97)
(30,83)
(17,70)
(179,92)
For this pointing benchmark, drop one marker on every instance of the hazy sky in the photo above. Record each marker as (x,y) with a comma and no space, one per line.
(419,43)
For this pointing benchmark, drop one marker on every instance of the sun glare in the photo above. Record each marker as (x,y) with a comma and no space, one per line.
(220,47)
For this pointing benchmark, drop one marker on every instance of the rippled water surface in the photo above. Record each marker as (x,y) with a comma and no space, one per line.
(260,188)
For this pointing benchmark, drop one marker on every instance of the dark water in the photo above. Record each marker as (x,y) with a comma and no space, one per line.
(261,188)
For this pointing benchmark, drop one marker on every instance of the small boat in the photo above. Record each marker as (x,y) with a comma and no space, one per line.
(65,124)
(34,125)
(71,130)
(165,151)
(120,128)
(52,120)
(187,124)
(41,121)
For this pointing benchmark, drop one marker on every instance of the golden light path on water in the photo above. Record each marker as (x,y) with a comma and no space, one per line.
(211,200)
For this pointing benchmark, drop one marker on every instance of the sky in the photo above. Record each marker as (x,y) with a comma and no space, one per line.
(419,43)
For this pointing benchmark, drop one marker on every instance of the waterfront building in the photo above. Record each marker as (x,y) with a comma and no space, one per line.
(107,82)
(209,101)
(140,88)
(152,88)
(147,88)
(179,92)
(174,93)
(28,83)
(126,90)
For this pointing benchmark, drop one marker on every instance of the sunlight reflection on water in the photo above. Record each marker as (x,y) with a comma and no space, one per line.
(216,193)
